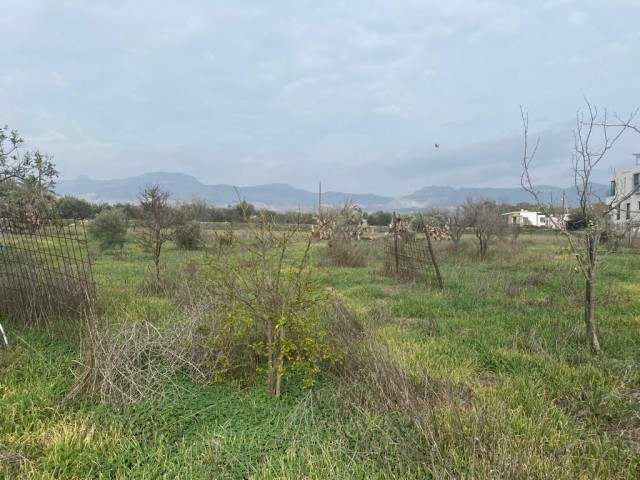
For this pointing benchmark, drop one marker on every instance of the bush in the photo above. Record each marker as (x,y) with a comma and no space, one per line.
(345,225)
(189,236)
(74,207)
(110,227)
(342,251)
(267,309)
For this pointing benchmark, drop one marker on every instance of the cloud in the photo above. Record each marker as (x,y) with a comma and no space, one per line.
(295,92)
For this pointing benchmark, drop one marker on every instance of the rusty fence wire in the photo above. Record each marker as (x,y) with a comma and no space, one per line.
(411,258)
(45,271)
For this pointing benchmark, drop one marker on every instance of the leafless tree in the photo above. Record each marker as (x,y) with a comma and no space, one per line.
(454,221)
(483,217)
(161,220)
(593,136)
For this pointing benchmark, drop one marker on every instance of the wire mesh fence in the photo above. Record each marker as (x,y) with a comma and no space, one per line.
(411,258)
(45,271)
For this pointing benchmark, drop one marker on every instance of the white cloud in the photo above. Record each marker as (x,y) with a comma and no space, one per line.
(276,90)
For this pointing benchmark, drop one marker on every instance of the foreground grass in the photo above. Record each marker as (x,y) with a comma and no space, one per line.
(518,395)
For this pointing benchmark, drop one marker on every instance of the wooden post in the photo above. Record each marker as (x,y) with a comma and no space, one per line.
(432,254)
(395,242)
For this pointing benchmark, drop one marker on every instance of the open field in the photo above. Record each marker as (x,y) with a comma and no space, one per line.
(500,381)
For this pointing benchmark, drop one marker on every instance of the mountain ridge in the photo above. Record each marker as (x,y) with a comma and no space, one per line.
(281,196)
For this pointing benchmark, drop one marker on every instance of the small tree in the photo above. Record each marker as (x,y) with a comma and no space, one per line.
(189,236)
(160,221)
(483,217)
(110,227)
(26,179)
(74,207)
(268,299)
(18,164)
(379,218)
(593,137)
(452,219)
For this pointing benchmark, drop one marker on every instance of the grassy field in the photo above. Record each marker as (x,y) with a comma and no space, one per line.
(508,388)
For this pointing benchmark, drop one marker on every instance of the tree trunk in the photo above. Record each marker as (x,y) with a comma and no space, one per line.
(272,376)
(156,261)
(273,357)
(589,315)
(275,362)
(589,296)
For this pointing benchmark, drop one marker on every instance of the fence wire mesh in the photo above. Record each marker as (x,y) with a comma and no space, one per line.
(45,271)
(409,257)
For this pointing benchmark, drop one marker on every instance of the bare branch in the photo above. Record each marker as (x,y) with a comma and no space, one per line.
(527,156)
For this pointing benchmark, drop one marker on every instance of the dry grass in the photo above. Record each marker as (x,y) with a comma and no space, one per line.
(133,360)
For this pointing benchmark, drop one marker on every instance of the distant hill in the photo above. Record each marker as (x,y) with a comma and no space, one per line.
(447,196)
(285,197)
(185,187)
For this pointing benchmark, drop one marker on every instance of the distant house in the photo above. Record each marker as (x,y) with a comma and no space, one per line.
(624,195)
(525,217)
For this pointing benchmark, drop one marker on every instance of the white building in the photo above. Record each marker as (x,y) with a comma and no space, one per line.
(525,217)
(624,195)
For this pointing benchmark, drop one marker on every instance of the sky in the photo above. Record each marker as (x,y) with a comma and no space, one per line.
(355,94)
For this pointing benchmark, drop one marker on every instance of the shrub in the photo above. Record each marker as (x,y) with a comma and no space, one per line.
(189,236)
(342,251)
(110,227)
(266,308)
(345,225)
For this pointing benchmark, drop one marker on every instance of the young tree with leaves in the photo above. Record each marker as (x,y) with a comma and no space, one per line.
(27,179)
(110,227)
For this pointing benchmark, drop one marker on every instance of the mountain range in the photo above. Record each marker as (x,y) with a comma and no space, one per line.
(284,197)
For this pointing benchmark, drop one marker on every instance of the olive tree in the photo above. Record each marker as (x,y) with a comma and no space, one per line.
(110,227)
(73,207)
(27,179)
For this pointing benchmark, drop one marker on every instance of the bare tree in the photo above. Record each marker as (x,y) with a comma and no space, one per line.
(593,137)
(452,219)
(483,217)
(161,220)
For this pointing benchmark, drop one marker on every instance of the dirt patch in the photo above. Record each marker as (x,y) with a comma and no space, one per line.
(486,379)
(10,460)
(629,433)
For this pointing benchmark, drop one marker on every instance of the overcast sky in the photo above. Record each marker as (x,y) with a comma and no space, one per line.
(353,93)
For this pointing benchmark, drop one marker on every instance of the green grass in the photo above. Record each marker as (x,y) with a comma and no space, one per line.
(525,398)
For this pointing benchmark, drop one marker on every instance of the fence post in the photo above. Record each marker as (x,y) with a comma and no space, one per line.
(395,242)
(432,254)
(6,342)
